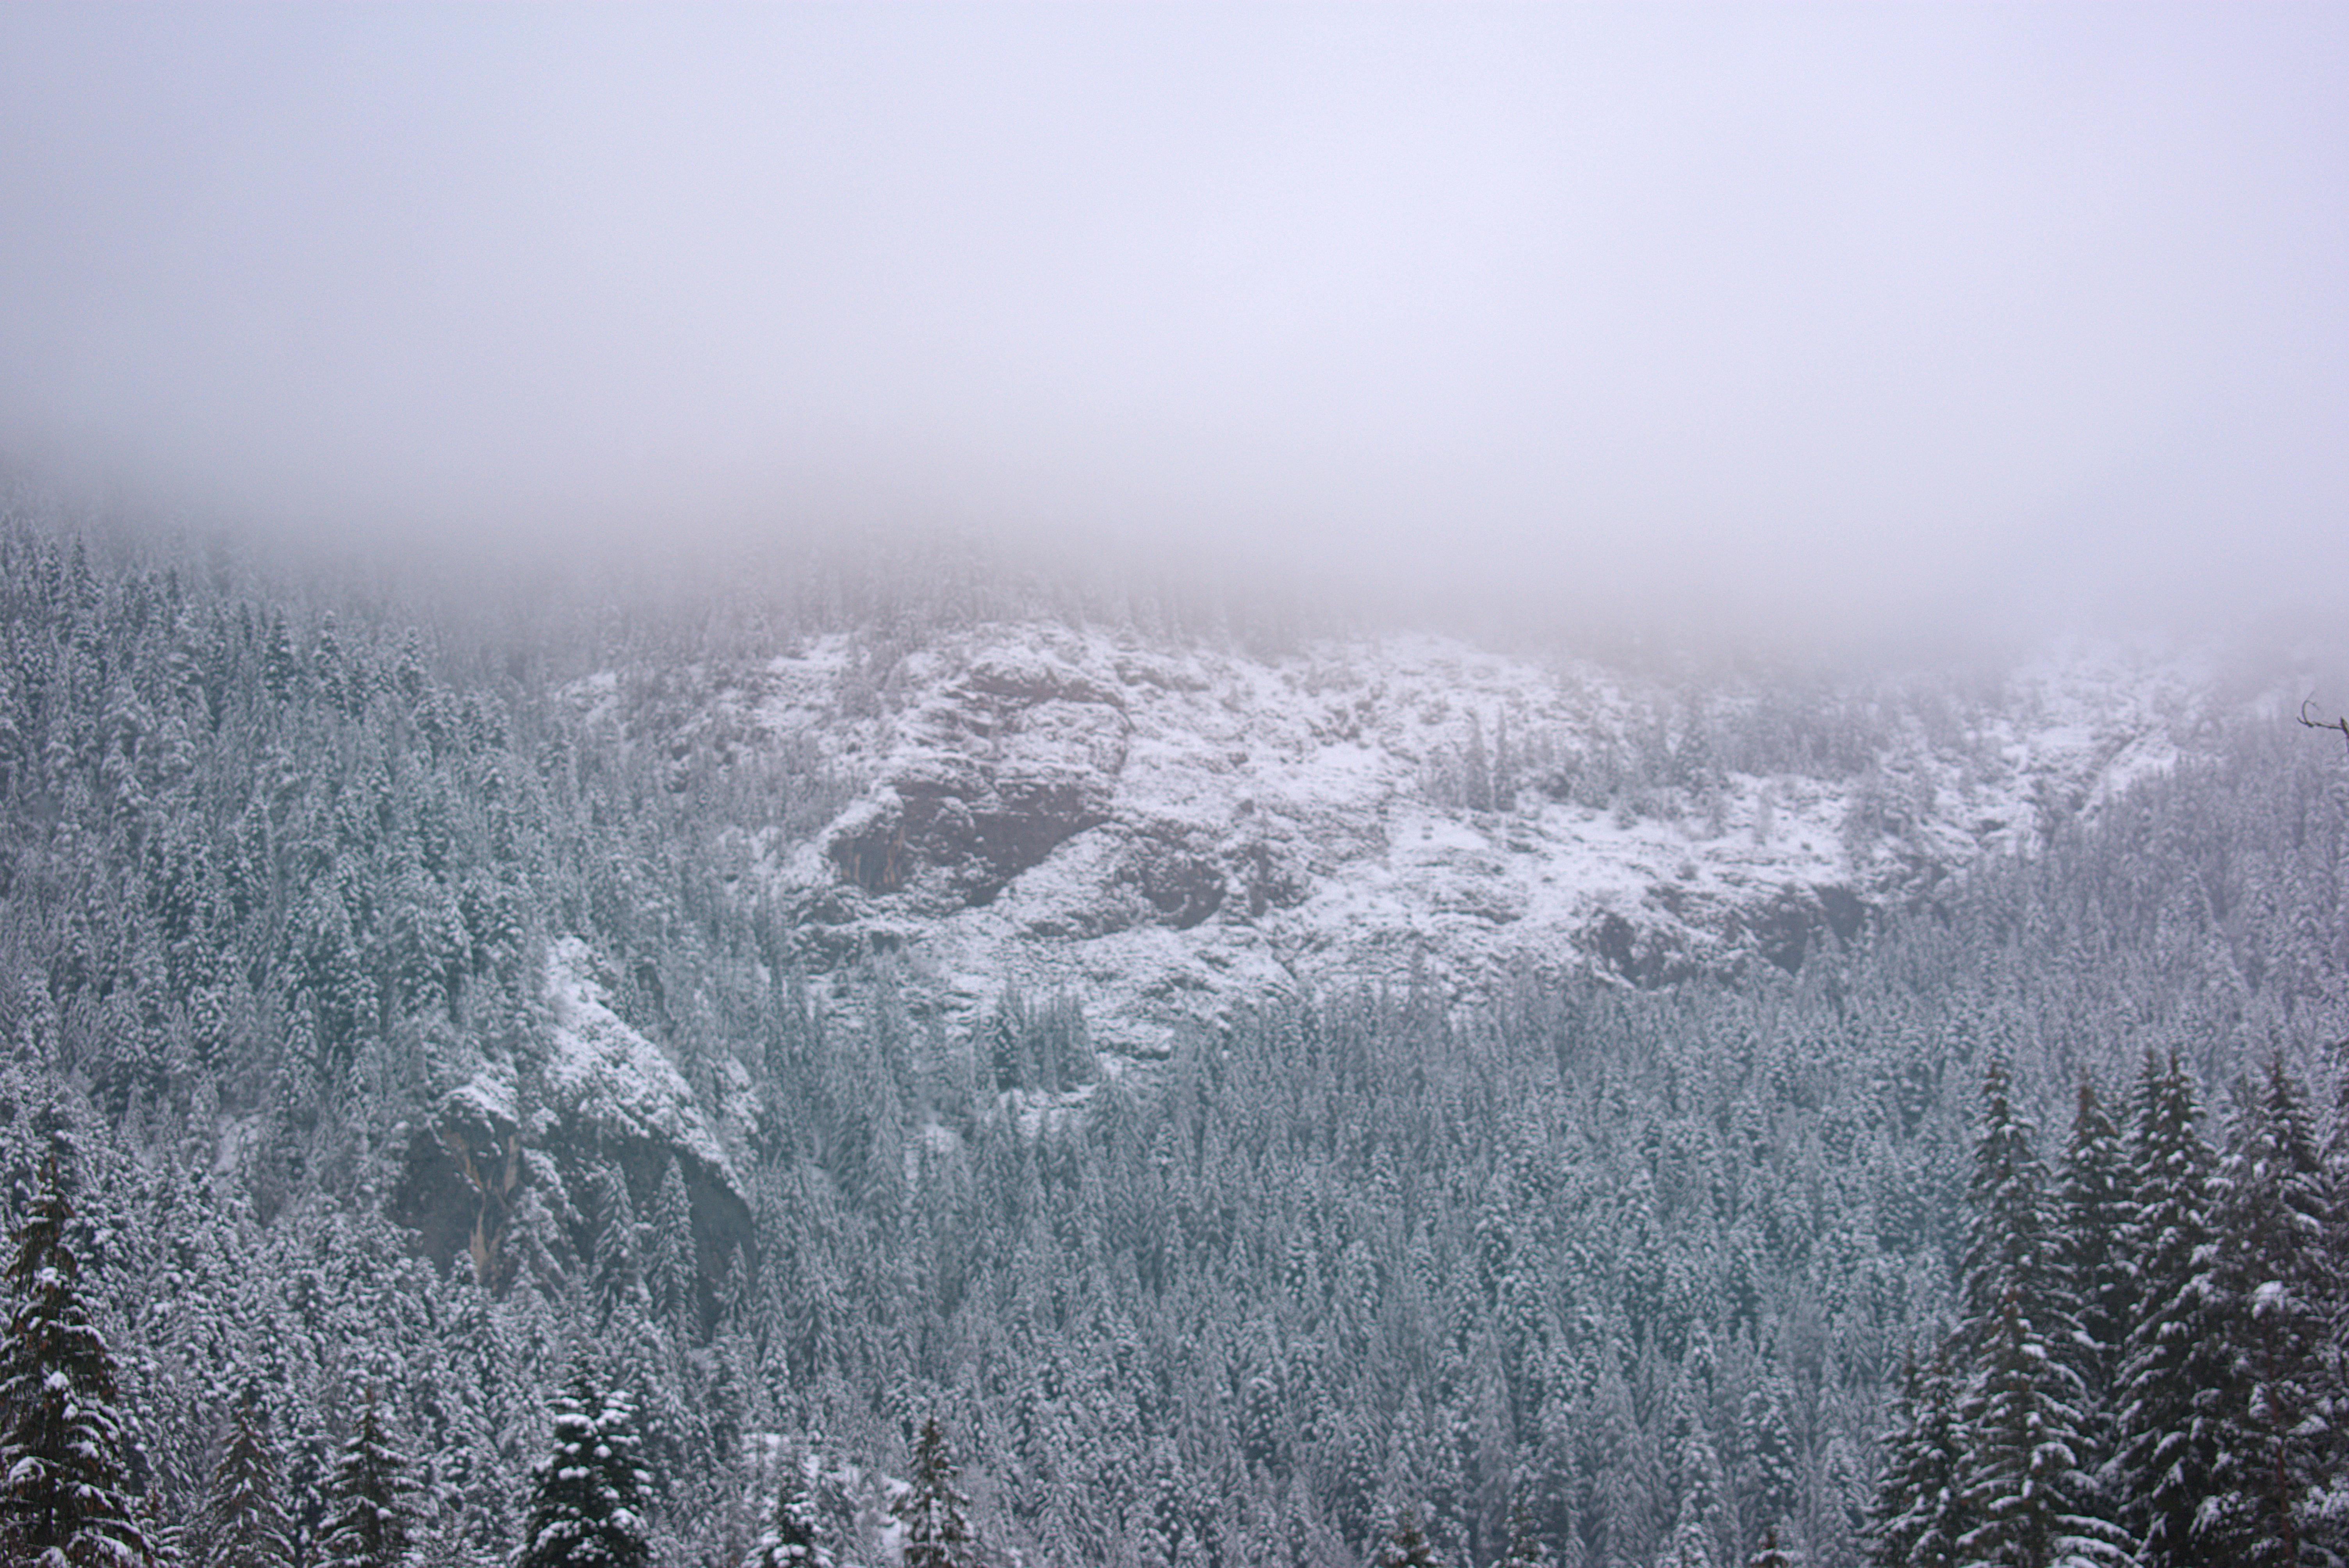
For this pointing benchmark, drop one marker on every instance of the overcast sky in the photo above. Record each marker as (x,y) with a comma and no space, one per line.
(1845,316)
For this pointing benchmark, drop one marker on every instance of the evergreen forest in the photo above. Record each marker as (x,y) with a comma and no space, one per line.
(2015,1232)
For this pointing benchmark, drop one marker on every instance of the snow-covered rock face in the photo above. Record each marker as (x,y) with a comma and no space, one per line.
(610,1081)
(610,1098)
(1167,832)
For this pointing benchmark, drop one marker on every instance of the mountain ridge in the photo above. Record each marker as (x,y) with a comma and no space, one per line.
(1167,831)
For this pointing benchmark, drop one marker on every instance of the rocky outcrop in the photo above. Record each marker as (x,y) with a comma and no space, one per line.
(993,772)
(1168,833)
(609,1100)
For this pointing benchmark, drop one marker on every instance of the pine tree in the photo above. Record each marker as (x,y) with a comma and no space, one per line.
(2174,1371)
(1919,1516)
(2327,1516)
(792,1538)
(1772,1468)
(935,1516)
(674,1270)
(1526,1550)
(63,1487)
(2014,1251)
(588,1511)
(1698,1525)
(1406,1546)
(1690,1544)
(616,1276)
(368,1514)
(2277,1425)
(1771,1554)
(2098,1202)
(2024,1484)
(2030,1503)
(243,1524)
(281,668)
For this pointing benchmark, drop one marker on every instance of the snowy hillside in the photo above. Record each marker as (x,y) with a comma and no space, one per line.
(1163,832)
(738,1021)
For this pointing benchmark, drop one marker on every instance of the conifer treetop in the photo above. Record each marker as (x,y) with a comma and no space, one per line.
(1406,1544)
(588,1509)
(936,1514)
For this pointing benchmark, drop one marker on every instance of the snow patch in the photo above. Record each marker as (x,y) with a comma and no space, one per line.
(1171,833)
(606,1074)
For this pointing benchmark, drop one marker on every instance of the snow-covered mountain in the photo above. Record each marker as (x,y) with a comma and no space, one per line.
(1167,832)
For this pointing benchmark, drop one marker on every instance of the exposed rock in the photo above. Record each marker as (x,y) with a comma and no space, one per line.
(1169,833)
(1791,925)
(611,1100)
(991,774)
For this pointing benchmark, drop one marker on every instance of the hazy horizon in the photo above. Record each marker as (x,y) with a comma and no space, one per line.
(1811,325)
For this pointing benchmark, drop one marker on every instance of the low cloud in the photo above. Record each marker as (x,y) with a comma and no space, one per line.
(1797,324)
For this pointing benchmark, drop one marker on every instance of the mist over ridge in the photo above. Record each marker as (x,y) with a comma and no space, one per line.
(1802,328)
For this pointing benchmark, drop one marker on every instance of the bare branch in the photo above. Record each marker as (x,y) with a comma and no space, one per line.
(2341,723)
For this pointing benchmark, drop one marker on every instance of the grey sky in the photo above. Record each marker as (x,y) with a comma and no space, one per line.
(1854,315)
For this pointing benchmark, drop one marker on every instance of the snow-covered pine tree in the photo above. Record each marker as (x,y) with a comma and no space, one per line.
(1770,1554)
(936,1514)
(2030,1504)
(164,1539)
(2276,1428)
(615,1270)
(368,1511)
(1696,1480)
(2014,1251)
(2176,1364)
(2096,1203)
(1525,1549)
(792,1538)
(672,1272)
(64,1498)
(2328,1508)
(1689,1545)
(588,1511)
(2025,1483)
(1406,1546)
(1773,1468)
(1919,1514)
(242,1523)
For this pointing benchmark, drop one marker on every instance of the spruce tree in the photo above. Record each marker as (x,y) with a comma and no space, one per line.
(2024,1484)
(368,1511)
(1770,1554)
(792,1538)
(2097,1202)
(588,1511)
(64,1498)
(2176,1369)
(1772,1466)
(243,1524)
(164,1539)
(2030,1504)
(1919,1516)
(936,1516)
(2277,1426)
(2328,1510)
(1406,1546)
(2013,1251)
(1690,1544)
(1525,1549)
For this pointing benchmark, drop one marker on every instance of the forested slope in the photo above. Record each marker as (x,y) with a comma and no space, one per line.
(282,891)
